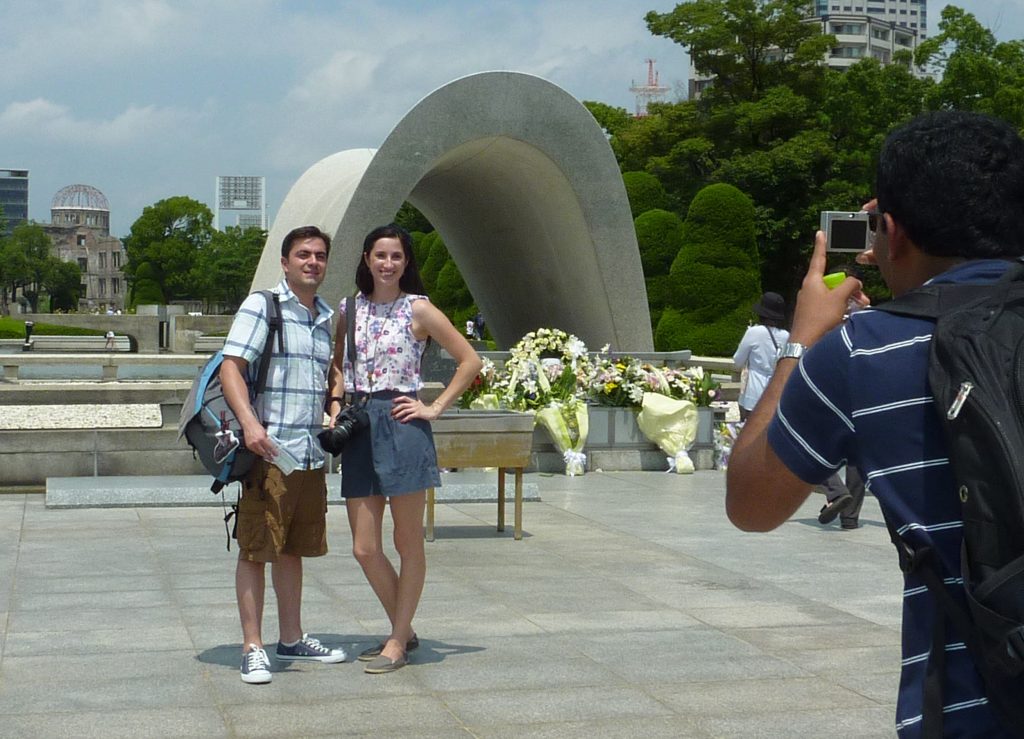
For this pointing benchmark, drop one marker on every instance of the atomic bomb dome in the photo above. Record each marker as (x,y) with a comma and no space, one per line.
(80,197)
(80,205)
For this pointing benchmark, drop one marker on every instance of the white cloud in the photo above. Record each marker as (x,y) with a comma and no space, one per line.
(49,122)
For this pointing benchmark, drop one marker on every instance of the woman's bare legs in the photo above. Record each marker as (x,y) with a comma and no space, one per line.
(407,514)
(399,593)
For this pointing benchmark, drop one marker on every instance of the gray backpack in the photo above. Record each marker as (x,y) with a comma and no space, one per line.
(207,421)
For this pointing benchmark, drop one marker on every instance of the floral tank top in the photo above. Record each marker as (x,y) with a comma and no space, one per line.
(385,346)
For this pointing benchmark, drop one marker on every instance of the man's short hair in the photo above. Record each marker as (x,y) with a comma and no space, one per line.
(301,234)
(955,182)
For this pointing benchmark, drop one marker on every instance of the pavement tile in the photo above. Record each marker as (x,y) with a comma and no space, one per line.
(369,716)
(168,723)
(631,609)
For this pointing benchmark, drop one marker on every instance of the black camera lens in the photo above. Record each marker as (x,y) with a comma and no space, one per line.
(349,422)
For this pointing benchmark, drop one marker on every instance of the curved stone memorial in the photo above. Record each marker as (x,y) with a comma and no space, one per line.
(519,180)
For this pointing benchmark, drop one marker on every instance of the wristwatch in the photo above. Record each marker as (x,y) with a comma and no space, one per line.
(792,350)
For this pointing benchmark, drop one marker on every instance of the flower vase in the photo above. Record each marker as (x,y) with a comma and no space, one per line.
(567,424)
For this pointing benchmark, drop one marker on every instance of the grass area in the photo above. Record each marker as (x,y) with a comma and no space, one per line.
(14,328)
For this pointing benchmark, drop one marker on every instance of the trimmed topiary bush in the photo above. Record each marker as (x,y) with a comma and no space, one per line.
(659,234)
(645,192)
(437,257)
(714,278)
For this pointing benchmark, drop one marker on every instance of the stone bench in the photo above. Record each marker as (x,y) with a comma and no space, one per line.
(45,343)
(208,344)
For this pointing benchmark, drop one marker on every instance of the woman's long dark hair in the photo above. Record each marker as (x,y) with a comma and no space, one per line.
(410,282)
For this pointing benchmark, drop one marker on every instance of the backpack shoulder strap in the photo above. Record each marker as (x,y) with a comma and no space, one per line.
(932,301)
(275,326)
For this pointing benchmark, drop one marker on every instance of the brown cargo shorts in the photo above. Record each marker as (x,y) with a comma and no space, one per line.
(280,513)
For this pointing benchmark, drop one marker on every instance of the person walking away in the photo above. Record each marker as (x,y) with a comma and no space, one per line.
(394,460)
(758,349)
(282,511)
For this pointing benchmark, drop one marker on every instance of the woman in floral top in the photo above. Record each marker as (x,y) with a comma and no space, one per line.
(394,460)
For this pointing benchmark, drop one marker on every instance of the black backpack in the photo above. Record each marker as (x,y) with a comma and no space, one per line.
(206,417)
(976,374)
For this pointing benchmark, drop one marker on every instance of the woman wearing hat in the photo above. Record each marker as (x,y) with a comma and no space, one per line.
(758,349)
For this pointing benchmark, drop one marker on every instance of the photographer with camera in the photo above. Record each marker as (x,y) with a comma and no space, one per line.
(860,389)
(283,507)
(388,449)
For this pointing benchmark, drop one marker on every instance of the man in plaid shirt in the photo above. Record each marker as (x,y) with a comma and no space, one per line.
(282,511)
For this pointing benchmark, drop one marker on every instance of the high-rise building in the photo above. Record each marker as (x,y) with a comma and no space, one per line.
(912,14)
(874,29)
(240,201)
(14,197)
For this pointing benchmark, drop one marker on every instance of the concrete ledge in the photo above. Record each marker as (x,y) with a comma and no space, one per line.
(471,486)
(106,366)
(45,343)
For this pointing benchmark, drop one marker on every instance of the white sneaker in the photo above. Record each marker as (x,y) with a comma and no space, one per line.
(255,666)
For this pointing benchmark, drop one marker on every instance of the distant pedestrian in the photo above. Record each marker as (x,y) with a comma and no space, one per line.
(110,341)
(759,348)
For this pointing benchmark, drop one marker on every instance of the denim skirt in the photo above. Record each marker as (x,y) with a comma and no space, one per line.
(389,458)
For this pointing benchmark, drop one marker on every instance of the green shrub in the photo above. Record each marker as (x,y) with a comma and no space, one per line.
(714,278)
(437,256)
(645,192)
(659,234)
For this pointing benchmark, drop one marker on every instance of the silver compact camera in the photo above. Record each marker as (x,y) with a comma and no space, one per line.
(846,230)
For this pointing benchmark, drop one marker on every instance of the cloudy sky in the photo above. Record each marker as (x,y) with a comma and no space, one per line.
(145,99)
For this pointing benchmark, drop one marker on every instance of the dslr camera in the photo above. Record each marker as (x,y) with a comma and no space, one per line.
(846,230)
(350,421)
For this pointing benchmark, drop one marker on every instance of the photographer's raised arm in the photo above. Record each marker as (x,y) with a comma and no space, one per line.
(236,392)
(761,492)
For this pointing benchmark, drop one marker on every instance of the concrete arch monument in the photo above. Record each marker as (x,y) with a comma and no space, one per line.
(521,183)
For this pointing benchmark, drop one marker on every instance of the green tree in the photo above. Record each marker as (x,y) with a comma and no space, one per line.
(977,72)
(168,236)
(610,118)
(645,192)
(145,290)
(29,249)
(747,46)
(63,281)
(714,279)
(225,267)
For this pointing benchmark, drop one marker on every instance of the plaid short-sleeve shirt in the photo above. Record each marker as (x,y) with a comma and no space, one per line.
(292,405)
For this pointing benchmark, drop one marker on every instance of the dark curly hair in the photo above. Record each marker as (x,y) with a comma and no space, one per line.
(955,182)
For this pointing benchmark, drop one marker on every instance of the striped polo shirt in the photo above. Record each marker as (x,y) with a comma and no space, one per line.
(292,405)
(861,394)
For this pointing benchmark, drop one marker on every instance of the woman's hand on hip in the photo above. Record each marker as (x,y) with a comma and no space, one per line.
(405,409)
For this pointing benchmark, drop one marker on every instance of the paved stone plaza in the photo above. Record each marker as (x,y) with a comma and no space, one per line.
(631,609)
